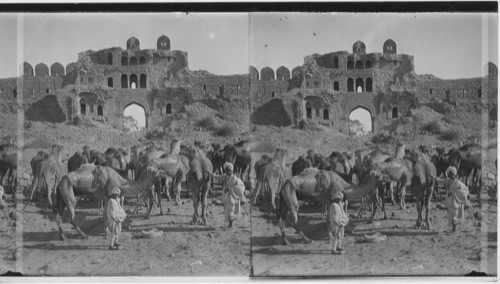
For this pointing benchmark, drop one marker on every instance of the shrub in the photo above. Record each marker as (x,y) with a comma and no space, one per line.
(224,131)
(157,133)
(440,106)
(383,137)
(434,126)
(207,123)
(451,135)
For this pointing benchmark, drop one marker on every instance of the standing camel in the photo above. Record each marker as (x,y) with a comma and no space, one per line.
(8,165)
(320,185)
(272,177)
(340,164)
(175,166)
(423,184)
(198,180)
(48,173)
(95,180)
(75,161)
(239,155)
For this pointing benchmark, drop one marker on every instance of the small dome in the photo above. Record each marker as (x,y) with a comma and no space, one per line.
(133,44)
(359,47)
(389,47)
(163,43)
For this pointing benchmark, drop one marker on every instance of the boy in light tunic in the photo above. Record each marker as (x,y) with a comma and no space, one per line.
(116,216)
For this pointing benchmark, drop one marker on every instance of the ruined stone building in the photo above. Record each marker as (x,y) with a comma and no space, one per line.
(101,84)
(325,89)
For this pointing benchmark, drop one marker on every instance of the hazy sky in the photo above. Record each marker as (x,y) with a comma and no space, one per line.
(217,43)
(446,45)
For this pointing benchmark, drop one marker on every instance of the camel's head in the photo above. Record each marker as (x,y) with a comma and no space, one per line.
(310,153)
(99,177)
(440,151)
(191,152)
(413,156)
(381,178)
(216,147)
(41,154)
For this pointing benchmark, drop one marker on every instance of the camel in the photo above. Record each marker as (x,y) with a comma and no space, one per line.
(399,169)
(440,161)
(175,166)
(198,180)
(340,164)
(8,165)
(37,159)
(97,158)
(75,161)
(320,185)
(261,164)
(239,155)
(95,180)
(48,173)
(423,184)
(272,177)
(217,157)
(471,161)
(311,157)
(300,165)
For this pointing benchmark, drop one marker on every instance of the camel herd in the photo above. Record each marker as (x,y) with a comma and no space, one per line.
(139,172)
(144,170)
(316,178)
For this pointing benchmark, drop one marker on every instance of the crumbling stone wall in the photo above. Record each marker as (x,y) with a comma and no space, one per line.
(46,109)
(263,91)
(271,113)
(228,86)
(460,90)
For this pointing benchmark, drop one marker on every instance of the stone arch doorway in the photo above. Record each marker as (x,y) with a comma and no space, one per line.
(134,117)
(360,121)
(83,107)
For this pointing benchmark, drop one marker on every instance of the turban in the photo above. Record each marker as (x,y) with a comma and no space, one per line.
(338,194)
(115,190)
(228,165)
(451,170)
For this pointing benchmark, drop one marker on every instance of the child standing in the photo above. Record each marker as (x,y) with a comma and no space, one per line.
(116,216)
(338,220)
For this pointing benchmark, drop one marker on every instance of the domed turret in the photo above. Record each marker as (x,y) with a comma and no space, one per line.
(133,44)
(359,48)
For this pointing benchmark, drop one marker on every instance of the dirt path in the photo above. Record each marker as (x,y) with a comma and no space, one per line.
(406,251)
(183,250)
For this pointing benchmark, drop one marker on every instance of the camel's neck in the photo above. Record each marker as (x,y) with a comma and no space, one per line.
(400,152)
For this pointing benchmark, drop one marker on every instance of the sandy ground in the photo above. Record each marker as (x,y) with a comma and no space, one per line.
(253,248)
(407,251)
(183,250)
